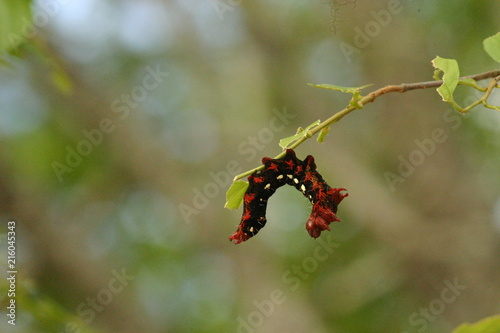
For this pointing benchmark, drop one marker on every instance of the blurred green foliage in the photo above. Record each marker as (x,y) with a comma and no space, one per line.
(487,325)
(15,21)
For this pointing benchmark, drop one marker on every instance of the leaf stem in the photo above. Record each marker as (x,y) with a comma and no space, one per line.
(402,88)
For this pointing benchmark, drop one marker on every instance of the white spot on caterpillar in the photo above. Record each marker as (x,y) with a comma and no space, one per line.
(251,230)
(296,180)
(279,177)
(267,187)
(290,176)
(303,188)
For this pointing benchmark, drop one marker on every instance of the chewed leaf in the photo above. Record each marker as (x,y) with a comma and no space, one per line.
(450,76)
(437,74)
(286,142)
(450,79)
(234,196)
(347,90)
(486,325)
(492,46)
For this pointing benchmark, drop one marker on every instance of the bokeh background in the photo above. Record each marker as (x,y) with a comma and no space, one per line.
(122,123)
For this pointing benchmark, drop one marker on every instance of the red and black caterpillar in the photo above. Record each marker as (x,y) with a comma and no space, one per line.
(300,174)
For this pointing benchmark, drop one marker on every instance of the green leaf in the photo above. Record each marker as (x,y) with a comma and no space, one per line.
(450,79)
(234,196)
(486,325)
(492,46)
(323,133)
(15,23)
(286,142)
(347,90)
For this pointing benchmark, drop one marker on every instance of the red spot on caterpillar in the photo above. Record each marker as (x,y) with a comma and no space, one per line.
(246,216)
(249,197)
(257,179)
(290,164)
(273,166)
(316,186)
(310,177)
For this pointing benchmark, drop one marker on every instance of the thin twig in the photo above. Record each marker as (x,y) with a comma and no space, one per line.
(402,88)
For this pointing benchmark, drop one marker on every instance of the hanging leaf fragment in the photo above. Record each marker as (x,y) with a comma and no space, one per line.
(234,196)
(451,73)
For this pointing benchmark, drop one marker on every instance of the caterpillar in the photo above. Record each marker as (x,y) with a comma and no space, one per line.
(300,174)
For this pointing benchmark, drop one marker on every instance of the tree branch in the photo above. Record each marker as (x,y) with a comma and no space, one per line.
(402,88)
